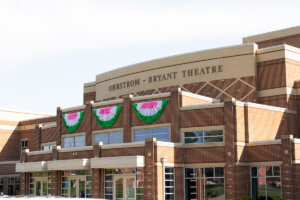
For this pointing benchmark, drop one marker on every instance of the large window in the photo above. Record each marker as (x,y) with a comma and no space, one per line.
(203,136)
(161,134)
(13,185)
(109,138)
(76,141)
(169,183)
(204,183)
(1,185)
(266,183)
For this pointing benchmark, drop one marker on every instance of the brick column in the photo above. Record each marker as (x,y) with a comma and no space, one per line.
(38,132)
(24,185)
(149,176)
(175,102)
(98,174)
(179,182)
(56,183)
(127,119)
(5,185)
(230,148)
(88,114)
(287,172)
(55,153)
(58,124)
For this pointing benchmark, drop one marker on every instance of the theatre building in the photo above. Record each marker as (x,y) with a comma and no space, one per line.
(214,124)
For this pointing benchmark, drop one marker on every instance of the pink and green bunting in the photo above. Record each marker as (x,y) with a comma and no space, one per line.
(150,111)
(106,117)
(73,120)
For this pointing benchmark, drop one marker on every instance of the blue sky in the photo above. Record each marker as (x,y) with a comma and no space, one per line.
(49,48)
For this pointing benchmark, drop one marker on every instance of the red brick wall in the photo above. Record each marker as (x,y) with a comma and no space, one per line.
(293,40)
(204,155)
(264,153)
(10,145)
(91,96)
(7,169)
(49,135)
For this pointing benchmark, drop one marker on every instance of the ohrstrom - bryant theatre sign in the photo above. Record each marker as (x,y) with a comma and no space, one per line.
(134,79)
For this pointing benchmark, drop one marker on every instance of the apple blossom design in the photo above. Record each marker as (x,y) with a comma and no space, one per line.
(106,117)
(73,120)
(150,111)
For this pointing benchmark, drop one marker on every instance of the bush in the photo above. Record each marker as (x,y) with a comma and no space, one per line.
(244,198)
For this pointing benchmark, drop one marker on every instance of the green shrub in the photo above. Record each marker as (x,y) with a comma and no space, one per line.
(244,198)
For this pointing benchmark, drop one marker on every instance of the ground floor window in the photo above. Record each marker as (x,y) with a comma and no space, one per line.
(40,183)
(169,183)
(1,185)
(13,185)
(77,184)
(266,182)
(127,183)
(204,183)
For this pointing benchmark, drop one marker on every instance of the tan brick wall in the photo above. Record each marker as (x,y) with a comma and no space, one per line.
(87,97)
(186,100)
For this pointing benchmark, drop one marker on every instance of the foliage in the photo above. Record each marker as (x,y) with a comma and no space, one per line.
(244,198)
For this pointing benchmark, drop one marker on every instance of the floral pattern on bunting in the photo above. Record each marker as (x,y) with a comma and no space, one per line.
(150,111)
(73,120)
(106,117)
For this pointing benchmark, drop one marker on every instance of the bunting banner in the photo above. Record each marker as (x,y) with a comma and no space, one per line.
(73,120)
(150,111)
(106,117)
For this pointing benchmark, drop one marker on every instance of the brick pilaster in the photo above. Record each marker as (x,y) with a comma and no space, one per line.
(98,183)
(97,149)
(56,183)
(24,185)
(179,182)
(149,175)
(55,153)
(230,148)
(58,125)
(5,185)
(88,115)
(175,102)
(38,132)
(287,168)
(127,119)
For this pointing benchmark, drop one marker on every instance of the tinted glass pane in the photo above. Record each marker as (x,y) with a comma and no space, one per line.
(214,188)
(162,137)
(254,171)
(160,130)
(69,142)
(79,141)
(193,134)
(213,133)
(169,177)
(213,139)
(273,188)
(209,172)
(261,185)
(269,171)
(190,173)
(193,140)
(116,134)
(141,138)
(219,172)
(190,189)
(142,132)
(46,148)
(100,136)
(169,170)
(276,170)
(261,171)
(115,140)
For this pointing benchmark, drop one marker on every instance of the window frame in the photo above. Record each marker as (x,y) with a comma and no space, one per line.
(168,180)
(204,128)
(266,176)
(154,126)
(24,140)
(107,131)
(48,144)
(73,135)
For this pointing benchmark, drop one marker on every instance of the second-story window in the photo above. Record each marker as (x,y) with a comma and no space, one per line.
(48,147)
(209,136)
(75,141)
(161,134)
(24,144)
(109,138)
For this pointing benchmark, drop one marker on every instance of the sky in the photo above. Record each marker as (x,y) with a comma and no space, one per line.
(50,48)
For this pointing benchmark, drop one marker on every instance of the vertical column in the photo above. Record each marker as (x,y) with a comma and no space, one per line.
(287,172)
(98,174)
(230,151)
(127,119)
(149,169)
(38,132)
(5,186)
(55,153)
(175,102)
(56,183)
(179,182)
(88,114)
(58,124)
(24,185)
